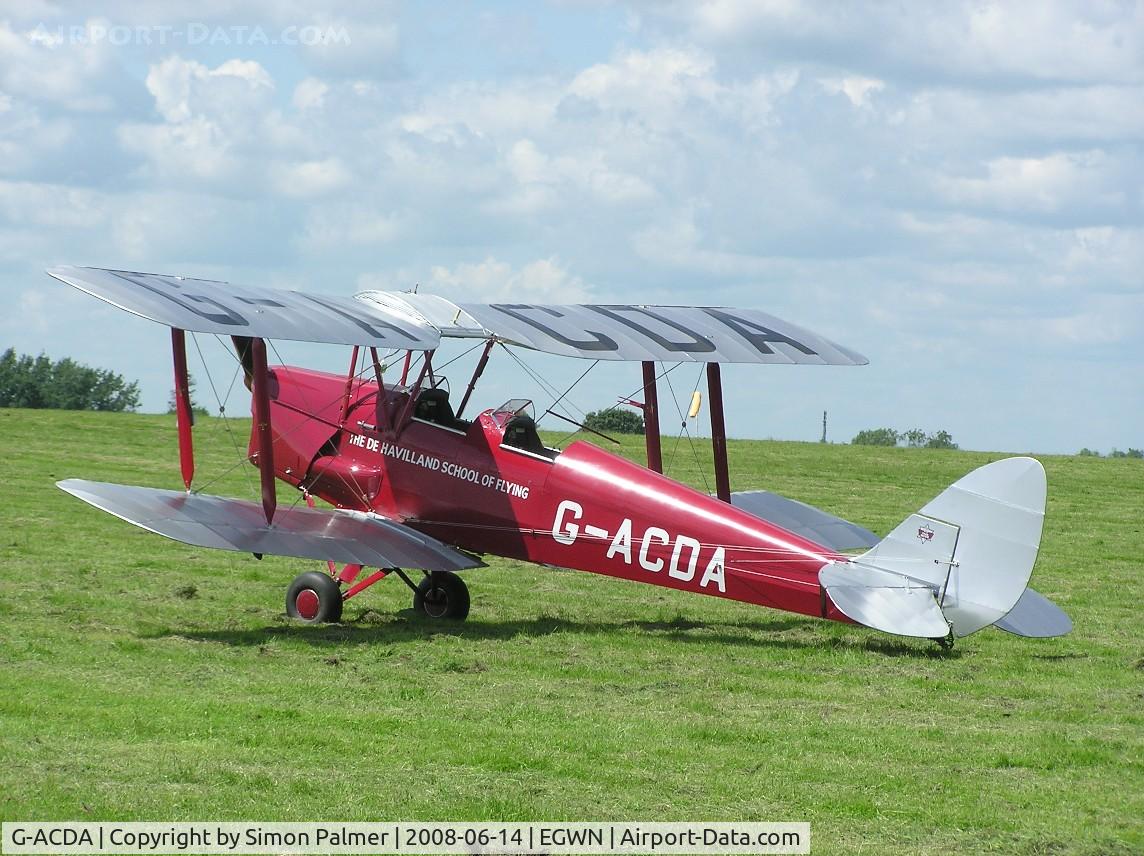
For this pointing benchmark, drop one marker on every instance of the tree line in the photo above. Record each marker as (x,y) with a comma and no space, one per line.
(915,438)
(38,382)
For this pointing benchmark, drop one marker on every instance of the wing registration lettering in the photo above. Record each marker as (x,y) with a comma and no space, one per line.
(369,327)
(637,332)
(757,334)
(207,306)
(599,342)
(151,282)
(699,343)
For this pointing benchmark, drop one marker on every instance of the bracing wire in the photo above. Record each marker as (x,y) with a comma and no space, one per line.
(443,366)
(573,386)
(682,432)
(357,379)
(222,415)
(549,388)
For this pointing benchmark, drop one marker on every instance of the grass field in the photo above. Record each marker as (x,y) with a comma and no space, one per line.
(142,679)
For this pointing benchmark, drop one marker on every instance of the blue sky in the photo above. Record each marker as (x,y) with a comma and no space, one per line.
(954,190)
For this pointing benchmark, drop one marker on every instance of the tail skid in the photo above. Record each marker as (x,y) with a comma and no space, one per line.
(960,564)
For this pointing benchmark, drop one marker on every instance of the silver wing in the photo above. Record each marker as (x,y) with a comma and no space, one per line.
(234,524)
(627,332)
(387,319)
(206,306)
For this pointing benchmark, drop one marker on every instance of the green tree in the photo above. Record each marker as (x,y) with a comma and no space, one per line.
(1086,452)
(876,437)
(37,382)
(196,408)
(615,421)
(915,437)
(940,440)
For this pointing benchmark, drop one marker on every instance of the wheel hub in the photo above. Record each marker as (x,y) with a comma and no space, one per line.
(307,604)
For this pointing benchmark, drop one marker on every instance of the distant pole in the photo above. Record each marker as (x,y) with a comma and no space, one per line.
(823,427)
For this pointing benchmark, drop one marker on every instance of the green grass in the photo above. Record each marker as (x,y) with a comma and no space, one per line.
(142,679)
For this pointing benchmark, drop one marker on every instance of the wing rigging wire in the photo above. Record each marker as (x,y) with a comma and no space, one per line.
(228,430)
(683,430)
(616,406)
(550,389)
(308,417)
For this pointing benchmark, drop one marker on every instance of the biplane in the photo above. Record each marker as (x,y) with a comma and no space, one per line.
(414,484)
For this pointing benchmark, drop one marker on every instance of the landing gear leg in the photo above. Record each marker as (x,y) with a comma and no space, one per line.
(945,642)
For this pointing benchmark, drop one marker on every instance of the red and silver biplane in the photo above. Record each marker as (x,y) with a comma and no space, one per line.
(415,486)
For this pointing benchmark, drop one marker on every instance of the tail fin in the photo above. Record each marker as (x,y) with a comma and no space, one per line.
(970,551)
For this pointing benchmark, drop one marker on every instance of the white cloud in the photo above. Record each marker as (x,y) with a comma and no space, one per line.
(353,48)
(307,179)
(457,111)
(545,181)
(185,88)
(51,206)
(33,67)
(190,151)
(219,127)
(1049,184)
(336,227)
(971,118)
(493,280)
(28,139)
(1104,323)
(655,83)
(310,94)
(1064,41)
(857,89)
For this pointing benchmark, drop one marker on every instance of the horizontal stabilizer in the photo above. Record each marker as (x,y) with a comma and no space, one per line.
(1035,616)
(348,537)
(805,520)
(885,601)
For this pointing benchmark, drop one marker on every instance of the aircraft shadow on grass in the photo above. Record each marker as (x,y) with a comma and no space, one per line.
(370,628)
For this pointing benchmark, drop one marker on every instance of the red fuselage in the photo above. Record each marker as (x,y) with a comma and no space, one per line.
(584,508)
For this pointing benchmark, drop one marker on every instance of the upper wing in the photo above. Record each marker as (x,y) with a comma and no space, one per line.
(205,306)
(628,332)
(418,321)
(235,524)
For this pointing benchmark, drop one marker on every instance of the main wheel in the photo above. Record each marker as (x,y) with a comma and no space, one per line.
(314,597)
(442,594)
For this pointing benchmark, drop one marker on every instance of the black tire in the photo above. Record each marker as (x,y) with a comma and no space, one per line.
(314,598)
(442,595)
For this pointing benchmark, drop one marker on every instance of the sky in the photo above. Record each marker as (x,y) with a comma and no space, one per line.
(955,190)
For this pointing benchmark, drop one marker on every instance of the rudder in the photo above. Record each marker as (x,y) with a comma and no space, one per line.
(974,546)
